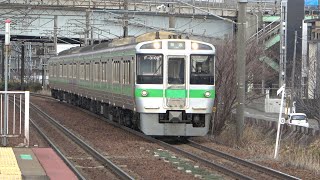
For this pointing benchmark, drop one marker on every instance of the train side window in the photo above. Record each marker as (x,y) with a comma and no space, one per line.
(69,70)
(124,80)
(129,72)
(96,71)
(116,73)
(82,71)
(54,70)
(60,70)
(126,67)
(65,70)
(103,71)
(100,71)
(74,75)
(87,71)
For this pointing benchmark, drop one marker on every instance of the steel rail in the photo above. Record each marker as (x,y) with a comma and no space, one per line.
(194,157)
(106,162)
(57,150)
(218,167)
(255,166)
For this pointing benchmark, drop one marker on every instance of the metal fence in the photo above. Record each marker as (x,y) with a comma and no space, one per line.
(15,121)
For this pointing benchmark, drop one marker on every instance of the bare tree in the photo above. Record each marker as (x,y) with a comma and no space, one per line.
(225,101)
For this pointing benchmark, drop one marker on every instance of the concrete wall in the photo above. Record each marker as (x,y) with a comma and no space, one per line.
(273,105)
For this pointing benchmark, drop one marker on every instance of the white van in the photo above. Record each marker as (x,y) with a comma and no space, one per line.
(298,119)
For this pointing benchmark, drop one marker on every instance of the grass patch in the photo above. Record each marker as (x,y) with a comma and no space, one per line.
(259,145)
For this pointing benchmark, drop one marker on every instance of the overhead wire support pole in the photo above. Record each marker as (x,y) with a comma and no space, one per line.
(294,58)
(241,61)
(293,69)
(7,49)
(125,19)
(55,34)
(283,43)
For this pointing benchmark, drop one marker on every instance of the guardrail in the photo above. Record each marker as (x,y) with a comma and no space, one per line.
(16,122)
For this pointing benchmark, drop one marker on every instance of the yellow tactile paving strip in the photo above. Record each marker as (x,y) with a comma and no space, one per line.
(9,168)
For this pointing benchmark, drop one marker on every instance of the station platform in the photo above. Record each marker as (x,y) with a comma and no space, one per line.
(32,164)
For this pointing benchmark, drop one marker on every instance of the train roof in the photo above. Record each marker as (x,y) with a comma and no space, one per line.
(120,42)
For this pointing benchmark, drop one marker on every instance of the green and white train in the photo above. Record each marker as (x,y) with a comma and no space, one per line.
(163,86)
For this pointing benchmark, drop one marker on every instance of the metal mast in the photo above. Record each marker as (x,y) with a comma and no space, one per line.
(283,43)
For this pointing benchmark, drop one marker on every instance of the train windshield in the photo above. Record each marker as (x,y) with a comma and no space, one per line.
(149,69)
(202,69)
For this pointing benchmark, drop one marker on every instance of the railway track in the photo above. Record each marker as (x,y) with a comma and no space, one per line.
(254,171)
(82,145)
(262,171)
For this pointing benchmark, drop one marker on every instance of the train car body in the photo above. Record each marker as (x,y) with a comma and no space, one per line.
(165,87)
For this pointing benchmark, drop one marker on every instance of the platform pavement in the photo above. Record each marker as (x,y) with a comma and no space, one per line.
(254,113)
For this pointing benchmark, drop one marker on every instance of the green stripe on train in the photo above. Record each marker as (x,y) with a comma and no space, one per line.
(126,90)
(174,93)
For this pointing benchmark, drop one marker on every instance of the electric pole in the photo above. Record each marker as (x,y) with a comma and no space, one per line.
(22,65)
(87,30)
(241,61)
(55,34)
(2,62)
(125,19)
(172,20)
(283,43)
(293,67)
(7,51)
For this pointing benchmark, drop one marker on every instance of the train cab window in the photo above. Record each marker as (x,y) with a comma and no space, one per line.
(202,69)
(149,69)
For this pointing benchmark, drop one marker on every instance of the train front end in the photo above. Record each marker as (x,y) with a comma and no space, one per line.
(174,88)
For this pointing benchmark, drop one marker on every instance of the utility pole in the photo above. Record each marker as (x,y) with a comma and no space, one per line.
(293,67)
(125,19)
(87,31)
(55,34)
(172,20)
(241,61)
(283,43)
(193,9)
(2,62)
(7,50)
(42,64)
(22,66)
(263,63)
(91,22)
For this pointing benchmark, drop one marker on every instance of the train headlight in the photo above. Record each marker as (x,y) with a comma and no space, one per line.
(157,45)
(194,46)
(207,94)
(144,93)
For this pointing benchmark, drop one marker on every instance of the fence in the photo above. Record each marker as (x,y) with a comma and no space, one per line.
(12,124)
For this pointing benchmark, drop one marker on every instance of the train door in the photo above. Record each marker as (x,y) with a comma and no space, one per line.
(175,87)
